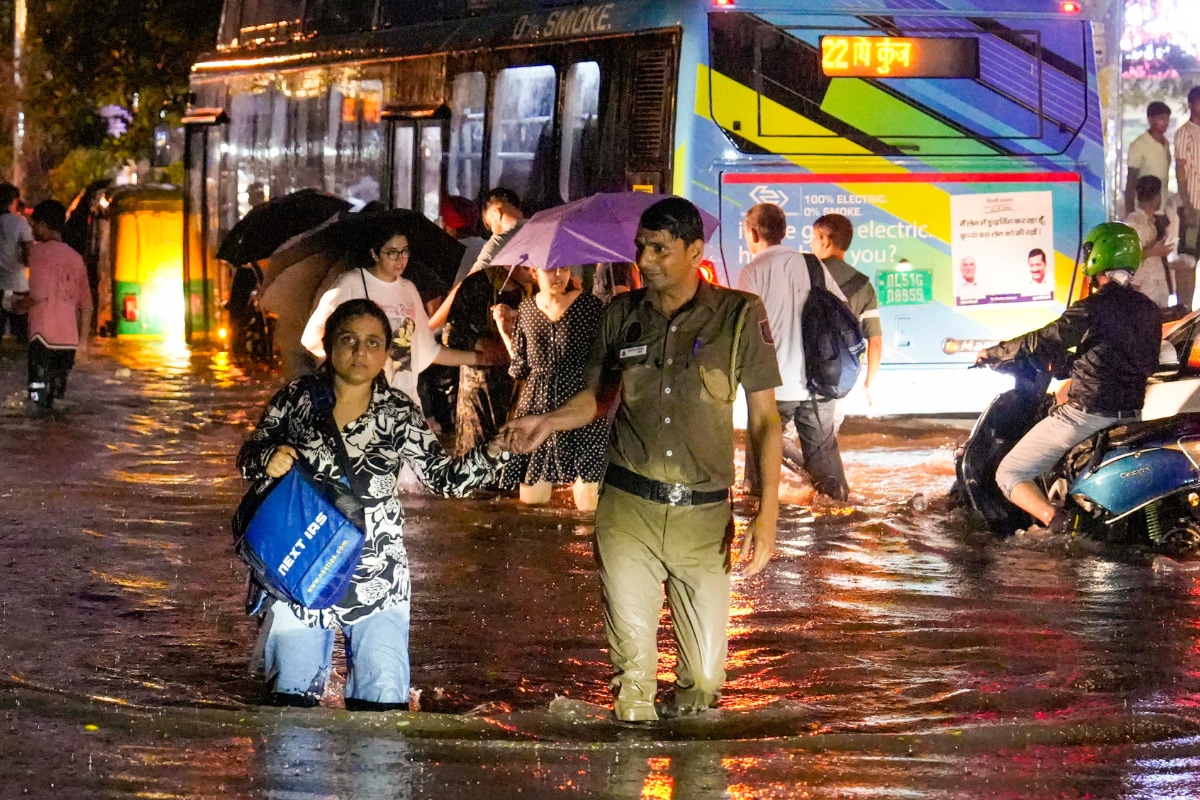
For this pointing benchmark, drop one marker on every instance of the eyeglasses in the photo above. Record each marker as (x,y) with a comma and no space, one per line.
(394,254)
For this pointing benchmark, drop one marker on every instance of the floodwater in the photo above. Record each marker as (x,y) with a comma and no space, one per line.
(889,650)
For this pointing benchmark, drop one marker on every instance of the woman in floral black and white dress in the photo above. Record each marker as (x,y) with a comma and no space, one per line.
(381,430)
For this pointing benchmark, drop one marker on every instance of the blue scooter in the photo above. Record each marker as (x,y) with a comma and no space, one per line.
(1136,482)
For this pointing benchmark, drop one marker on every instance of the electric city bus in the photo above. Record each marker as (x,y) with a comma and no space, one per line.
(962,138)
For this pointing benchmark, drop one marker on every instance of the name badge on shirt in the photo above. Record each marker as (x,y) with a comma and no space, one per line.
(633,352)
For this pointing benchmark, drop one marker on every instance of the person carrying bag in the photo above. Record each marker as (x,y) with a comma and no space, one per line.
(345,427)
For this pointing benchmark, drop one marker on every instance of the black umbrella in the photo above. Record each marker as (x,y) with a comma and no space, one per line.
(346,241)
(272,223)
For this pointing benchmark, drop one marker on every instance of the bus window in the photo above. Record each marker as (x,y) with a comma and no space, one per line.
(920,85)
(467,99)
(581,108)
(431,169)
(522,133)
(300,161)
(247,153)
(402,166)
(354,141)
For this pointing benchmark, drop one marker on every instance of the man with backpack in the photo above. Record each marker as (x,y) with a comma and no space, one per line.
(781,277)
(831,238)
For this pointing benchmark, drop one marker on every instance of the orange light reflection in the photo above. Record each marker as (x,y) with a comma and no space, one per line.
(658,785)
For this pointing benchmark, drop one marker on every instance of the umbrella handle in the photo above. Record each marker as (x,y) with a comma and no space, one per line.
(511,269)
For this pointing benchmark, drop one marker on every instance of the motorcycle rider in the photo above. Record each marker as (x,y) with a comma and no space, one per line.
(1115,333)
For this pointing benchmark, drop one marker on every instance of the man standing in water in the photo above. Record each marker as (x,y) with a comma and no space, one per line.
(780,276)
(673,353)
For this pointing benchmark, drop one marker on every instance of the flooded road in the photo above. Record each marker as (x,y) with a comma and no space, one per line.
(887,652)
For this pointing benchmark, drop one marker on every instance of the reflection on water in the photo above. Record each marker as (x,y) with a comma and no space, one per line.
(886,652)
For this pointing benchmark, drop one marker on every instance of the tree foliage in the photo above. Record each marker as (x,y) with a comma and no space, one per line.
(84,54)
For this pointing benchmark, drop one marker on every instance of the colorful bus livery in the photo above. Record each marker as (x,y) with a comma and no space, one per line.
(958,137)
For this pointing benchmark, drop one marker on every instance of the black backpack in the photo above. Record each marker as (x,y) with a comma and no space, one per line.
(833,339)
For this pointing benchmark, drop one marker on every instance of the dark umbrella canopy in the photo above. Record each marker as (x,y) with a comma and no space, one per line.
(347,239)
(272,223)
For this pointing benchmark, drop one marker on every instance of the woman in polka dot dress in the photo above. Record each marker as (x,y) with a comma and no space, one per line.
(548,339)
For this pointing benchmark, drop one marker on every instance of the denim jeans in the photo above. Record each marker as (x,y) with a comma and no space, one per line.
(297,659)
(1046,443)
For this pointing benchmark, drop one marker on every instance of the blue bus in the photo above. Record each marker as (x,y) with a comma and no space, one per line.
(962,138)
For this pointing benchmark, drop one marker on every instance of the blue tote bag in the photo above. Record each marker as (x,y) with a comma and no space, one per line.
(301,535)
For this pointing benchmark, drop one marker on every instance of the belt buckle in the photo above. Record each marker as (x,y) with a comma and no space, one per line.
(678,494)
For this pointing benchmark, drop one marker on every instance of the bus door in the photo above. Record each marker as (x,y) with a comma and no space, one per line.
(203,282)
(416,144)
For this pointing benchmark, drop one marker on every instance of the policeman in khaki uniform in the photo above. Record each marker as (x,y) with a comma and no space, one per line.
(664,514)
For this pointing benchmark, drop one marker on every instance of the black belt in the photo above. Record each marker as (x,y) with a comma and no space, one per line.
(1105,413)
(670,494)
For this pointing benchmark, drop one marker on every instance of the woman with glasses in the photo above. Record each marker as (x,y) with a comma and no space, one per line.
(413,345)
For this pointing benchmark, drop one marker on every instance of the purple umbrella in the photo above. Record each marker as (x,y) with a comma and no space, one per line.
(596,229)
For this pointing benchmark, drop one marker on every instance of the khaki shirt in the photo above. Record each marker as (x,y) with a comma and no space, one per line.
(674,421)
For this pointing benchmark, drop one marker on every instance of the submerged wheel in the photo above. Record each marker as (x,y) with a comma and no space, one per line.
(1183,537)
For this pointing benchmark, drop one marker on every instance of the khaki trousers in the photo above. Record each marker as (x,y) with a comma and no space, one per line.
(640,546)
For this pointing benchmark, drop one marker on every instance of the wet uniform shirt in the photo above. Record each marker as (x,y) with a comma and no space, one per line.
(674,421)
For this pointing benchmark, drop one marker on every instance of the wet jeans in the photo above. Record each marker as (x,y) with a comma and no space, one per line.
(641,545)
(297,658)
(1047,442)
(816,429)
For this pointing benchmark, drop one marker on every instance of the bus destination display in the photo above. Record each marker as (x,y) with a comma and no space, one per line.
(899,57)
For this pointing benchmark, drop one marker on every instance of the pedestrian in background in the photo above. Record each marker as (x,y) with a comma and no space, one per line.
(1158,238)
(1187,175)
(59,306)
(348,404)
(549,338)
(779,275)
(502,216)
(831,237)
(485,393)
(15,239)
(673,354)
(1149,154)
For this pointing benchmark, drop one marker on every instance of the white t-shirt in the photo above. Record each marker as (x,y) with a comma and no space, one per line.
(13,231)
(413,345)
(779,275)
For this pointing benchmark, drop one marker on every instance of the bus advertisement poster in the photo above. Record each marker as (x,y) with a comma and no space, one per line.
(999,243)
(893,226)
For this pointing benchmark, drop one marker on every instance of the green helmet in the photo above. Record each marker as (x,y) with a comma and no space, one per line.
(1111,245)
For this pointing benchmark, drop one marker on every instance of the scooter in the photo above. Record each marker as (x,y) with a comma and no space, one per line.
(1136,482)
